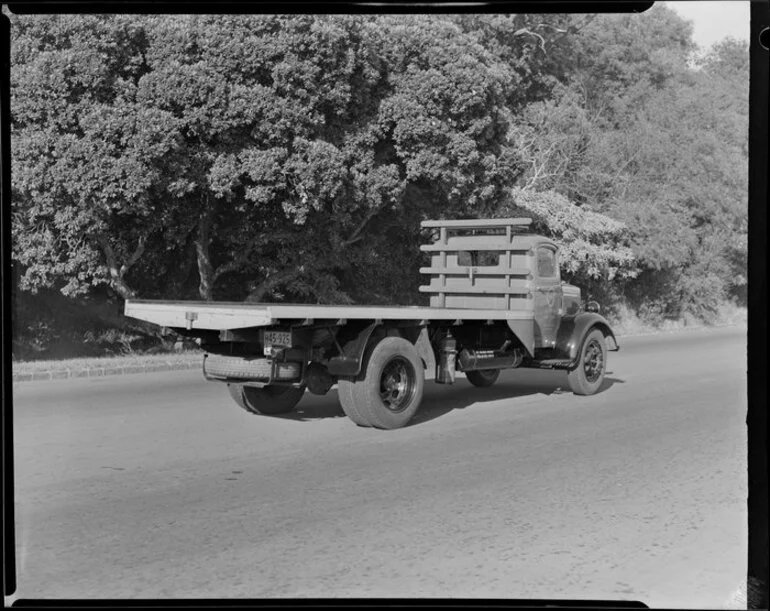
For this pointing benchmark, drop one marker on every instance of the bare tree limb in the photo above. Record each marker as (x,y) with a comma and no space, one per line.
(235,263)
(138,252)
(356,235)
(553,27)
(245,253)
(116,272)
(573,29)
(522,31)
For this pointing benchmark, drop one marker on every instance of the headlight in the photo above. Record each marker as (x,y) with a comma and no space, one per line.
(592,306)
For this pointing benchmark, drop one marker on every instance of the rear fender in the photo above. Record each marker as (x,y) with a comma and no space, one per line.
(425,351)
(353,339)
(573,330)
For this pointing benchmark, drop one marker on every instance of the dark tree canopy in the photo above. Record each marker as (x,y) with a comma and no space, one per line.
(293,157)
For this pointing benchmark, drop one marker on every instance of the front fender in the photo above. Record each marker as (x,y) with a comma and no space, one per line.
(573,330)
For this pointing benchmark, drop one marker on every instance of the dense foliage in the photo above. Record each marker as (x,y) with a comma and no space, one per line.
(292,157)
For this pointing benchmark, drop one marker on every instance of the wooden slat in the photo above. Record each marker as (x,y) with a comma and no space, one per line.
(454,247)
(495,302)
(476,290)
(477,223)
(477,271)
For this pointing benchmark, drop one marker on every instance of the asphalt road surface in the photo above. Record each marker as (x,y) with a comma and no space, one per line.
(158,485)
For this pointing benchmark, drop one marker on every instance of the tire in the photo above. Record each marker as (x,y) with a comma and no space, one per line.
(389,390)
(587,376)
(483,377)
(267,401)
(348,401)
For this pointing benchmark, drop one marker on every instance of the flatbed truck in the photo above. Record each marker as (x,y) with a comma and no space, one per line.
(496,302)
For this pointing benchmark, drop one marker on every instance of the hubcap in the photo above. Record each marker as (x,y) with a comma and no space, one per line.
(397,384)
(593,361)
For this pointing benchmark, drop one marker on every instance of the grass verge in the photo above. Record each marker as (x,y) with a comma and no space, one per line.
(101,366)
(626,323)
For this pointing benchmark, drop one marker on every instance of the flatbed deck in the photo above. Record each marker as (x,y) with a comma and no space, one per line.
(222,316)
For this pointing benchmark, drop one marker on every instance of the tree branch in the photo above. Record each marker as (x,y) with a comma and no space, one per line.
(270,283)
(573,29)
(522,31)
(244,254)
(355,236)
(116,273)
(109,253)
(138,252)
(539,168)
(232,265)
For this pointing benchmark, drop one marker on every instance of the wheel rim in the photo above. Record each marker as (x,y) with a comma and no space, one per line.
(593,361)
(397,384)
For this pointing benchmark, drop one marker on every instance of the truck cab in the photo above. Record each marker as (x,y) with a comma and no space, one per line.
(553,298)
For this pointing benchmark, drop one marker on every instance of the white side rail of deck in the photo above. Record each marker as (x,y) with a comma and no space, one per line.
(227,316)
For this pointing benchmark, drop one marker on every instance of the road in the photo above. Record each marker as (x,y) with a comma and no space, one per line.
(157,485)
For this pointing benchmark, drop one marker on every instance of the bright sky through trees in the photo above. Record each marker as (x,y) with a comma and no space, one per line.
(715,19)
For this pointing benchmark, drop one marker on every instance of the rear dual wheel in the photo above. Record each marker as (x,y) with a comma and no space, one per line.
(389,390)
(483,377)
(267,401)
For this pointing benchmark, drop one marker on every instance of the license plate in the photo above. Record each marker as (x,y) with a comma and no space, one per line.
(280,339)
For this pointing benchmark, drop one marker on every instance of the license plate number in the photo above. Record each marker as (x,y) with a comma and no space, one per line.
(280,339)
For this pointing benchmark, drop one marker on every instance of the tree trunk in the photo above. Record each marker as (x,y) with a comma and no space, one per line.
(121,288)
(203,254)
(182,273)
(118,272)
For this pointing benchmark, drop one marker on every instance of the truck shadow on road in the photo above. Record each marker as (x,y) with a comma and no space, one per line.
(439,400)
(441,403)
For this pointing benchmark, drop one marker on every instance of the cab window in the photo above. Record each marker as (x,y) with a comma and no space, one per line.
(478,258)
(546,263)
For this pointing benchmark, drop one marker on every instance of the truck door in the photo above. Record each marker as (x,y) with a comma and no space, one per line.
(547,296)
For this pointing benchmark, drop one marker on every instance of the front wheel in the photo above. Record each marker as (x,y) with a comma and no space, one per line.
(389,391)
(267,401)
(483,377)
(587,376)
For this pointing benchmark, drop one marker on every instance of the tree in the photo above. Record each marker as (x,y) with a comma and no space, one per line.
(684,187)
(287,157)
(642,135)
(285,166)
(594,248)
(620,59)
(81,207)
